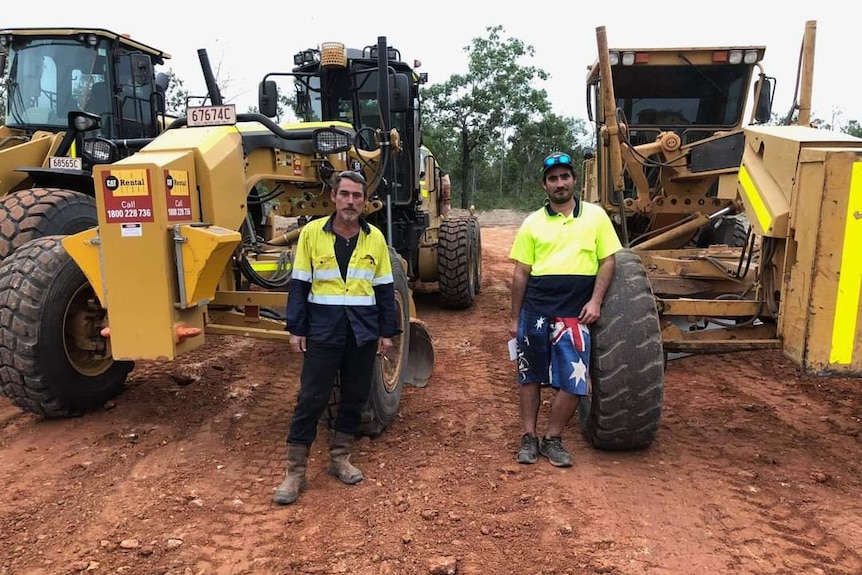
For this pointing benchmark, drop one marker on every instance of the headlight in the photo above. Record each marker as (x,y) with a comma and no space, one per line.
(735,57)
(331,141)
(98,150)
(84,121)
(750,56)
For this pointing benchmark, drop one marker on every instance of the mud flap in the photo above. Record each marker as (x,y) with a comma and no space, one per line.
(420,357)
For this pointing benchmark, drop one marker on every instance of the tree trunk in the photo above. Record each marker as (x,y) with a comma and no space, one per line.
(465,173)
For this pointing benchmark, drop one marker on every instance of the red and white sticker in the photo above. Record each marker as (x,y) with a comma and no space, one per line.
(127,195)
(178,195)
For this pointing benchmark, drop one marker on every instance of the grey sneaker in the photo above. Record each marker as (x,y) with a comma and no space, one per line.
(552,448)
(529,451)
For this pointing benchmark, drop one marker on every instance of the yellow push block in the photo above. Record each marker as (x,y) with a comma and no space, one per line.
(202,254)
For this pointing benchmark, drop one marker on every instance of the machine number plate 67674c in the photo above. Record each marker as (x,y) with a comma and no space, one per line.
(211,115)
(64,163)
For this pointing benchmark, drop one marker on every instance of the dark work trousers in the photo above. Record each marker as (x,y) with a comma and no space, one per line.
(355,365)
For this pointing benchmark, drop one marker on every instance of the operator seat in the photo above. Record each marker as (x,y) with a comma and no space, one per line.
(99,101)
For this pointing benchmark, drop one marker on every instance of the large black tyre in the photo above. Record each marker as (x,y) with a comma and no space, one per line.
(455,266)
(730,231)
(47,308)
(387,383)
(35,213)
(623,409)
(476,240)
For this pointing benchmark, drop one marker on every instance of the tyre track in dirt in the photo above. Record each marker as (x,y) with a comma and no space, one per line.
(249,532)
(99,469)
(754,470)
(476,401)
(776,486)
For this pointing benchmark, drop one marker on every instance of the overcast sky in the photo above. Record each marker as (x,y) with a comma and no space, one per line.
(247,40)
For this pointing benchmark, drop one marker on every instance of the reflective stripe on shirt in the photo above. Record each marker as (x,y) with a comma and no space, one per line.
(353,300)
(352,273)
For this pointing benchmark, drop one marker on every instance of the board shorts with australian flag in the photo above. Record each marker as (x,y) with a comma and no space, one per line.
(553,351)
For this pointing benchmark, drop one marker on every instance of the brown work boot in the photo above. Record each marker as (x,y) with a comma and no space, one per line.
(340,446)
(294,478)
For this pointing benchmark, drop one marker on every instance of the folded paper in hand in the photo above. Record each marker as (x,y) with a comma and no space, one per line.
(513,349)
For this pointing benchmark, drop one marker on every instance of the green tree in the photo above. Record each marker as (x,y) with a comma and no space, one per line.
(285,108)
(530,144)
(853,128)
(176,96)
(487,104)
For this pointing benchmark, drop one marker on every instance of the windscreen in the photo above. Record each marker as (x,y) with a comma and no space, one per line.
(682,95)
(49,77)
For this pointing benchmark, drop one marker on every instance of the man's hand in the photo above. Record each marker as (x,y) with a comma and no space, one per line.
(297,343)
(384,344)
(513,327)
(520,277)
(591,312)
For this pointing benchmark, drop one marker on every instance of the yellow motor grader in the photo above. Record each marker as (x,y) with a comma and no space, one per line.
(189,243)
(46,184)
(335,82)
(672,161)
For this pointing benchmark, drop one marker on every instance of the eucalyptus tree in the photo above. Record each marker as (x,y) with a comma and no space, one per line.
(176,95)
(532,142)
(486,104)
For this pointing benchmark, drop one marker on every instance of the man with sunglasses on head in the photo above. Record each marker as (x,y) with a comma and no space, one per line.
(564,263)
(341,314)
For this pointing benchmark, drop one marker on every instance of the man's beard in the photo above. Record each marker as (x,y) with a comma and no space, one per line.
(556,199)
(349,216)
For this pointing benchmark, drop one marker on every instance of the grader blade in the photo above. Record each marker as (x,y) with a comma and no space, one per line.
(420,359)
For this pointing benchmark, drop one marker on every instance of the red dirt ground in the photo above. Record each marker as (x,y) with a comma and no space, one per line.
(755,469)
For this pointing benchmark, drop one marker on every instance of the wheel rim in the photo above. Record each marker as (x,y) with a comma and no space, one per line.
(81,323)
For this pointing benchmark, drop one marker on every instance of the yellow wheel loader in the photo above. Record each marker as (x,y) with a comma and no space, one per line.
(46,184)
(673,160)
(187,244)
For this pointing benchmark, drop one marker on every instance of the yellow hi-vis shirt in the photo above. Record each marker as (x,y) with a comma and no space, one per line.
(322,304)
(564,254)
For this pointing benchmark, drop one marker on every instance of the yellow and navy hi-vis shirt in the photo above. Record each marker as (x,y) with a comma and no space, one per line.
(564,254)
(322,305)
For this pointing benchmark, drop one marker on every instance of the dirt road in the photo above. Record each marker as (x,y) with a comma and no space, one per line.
(756,469)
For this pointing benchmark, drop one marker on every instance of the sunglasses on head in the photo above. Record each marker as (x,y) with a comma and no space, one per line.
(557,159)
